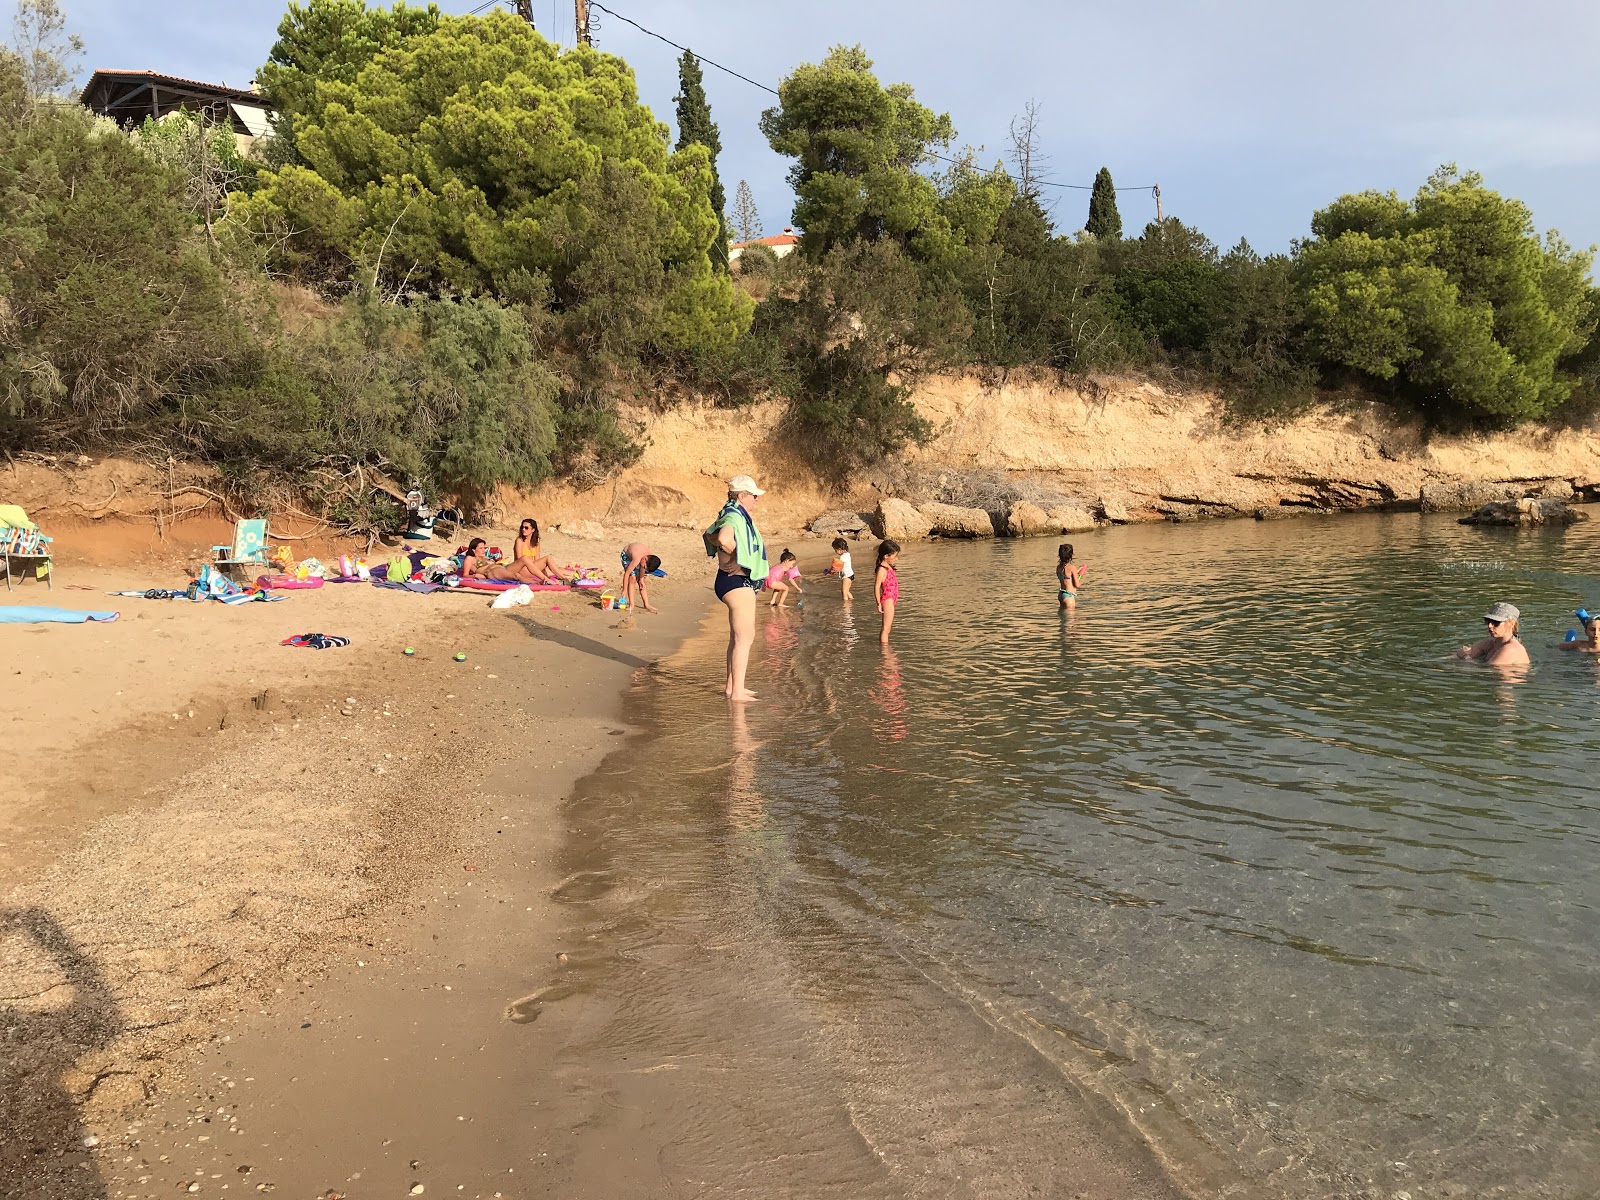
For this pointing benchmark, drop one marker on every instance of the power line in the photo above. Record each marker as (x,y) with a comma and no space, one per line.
(1154,189)
(675,46)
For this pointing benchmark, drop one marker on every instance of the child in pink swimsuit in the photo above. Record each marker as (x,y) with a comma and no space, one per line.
(886,585)
(784,578)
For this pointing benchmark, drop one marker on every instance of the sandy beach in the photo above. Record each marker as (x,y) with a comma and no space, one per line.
(204,828)
(330,924)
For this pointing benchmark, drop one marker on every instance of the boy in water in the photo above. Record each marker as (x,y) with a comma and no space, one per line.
(1501,648)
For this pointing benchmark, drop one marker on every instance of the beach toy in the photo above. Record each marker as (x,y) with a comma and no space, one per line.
(1583,615)
(1572,635)
(408,651)
(461,656)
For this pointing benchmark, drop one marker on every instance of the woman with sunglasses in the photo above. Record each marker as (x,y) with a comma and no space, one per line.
(527,565)
(1502,648)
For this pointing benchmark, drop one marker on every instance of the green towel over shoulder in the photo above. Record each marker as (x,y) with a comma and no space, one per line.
(749,549)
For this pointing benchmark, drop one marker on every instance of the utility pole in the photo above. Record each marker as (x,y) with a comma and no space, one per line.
(1156,192)
(580,10)
(525,11)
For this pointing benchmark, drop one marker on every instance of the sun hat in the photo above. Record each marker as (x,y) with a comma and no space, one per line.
(1502,612)
(743,483)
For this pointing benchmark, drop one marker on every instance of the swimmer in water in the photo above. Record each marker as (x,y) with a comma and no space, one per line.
(1502,648)
(1589,643)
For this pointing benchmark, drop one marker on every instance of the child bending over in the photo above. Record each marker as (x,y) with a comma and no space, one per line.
(637,564)
(784,578)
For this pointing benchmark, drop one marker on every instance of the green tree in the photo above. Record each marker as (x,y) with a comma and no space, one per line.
(1105,222)
(695,127)
(477,159)
(1170,288)
(44,50)
(746,221)
(331,41)
(857,147)
(204,154)
(1452,299)
(109,305)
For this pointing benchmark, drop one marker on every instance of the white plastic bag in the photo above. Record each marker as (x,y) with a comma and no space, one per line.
(519,595)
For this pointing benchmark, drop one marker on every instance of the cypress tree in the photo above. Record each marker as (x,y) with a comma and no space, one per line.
(1105,222)
(695,125)
(746,220)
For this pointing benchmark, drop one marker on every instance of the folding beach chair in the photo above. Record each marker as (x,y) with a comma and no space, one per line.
(249,549)
(20,539)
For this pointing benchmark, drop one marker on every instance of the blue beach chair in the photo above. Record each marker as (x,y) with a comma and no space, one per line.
(249,549)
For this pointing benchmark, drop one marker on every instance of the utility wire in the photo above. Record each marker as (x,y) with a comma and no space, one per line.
(675,46)
(955,162)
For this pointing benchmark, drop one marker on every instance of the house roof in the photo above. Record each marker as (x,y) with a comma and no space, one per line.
(134,95)
(781,239)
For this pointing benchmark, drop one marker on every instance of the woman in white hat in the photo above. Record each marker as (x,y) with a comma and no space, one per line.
(741,566)
(1502,648)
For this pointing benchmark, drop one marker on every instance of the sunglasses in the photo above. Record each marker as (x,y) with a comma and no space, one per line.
(1492,623)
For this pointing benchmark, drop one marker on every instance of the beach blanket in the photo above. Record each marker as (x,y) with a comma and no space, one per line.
(37,614)
(506,585)
(287,582)
(410,585)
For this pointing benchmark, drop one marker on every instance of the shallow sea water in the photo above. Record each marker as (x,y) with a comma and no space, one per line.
(1235,850)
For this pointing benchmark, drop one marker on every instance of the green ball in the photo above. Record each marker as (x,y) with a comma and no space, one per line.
(408,651)
(461,656)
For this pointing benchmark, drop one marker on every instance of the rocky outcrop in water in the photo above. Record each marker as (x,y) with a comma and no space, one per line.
(894,518)
(947,520)
(1026,519)
(1530,510)
(1471,495)
(839,523)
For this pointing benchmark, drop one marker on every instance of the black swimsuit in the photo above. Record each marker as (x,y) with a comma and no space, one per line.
(727,582)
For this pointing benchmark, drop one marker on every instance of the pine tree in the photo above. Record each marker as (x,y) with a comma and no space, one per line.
(746,221)
(695,125)
(1104,220)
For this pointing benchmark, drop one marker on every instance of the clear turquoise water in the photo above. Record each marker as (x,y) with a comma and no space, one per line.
(1236,848)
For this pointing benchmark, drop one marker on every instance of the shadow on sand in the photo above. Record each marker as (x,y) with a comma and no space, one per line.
(574,641)
(42,1156)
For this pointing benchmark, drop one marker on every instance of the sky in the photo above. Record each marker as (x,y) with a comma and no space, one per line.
(1250,114)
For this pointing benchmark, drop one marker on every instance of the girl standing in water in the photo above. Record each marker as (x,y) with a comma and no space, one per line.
(886,586)
(1069,576)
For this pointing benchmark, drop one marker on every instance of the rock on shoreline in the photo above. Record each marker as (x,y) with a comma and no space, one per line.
(1530,510)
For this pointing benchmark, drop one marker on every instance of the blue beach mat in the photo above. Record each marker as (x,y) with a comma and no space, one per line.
(33,614)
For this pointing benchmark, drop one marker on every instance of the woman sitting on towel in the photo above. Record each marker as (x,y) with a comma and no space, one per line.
(527,565)
(527,551)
